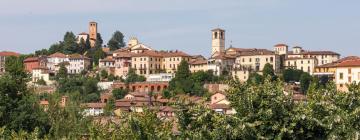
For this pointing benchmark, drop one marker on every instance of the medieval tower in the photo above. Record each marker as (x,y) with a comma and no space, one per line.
(218,41)
(92,33)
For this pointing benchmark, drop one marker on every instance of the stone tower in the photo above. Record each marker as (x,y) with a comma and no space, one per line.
(92,33)
(281,49)
(218,41)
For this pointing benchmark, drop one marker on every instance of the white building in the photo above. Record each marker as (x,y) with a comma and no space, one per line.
(78,63)
(54,60)
(41,73)
(161,77)
(94,109)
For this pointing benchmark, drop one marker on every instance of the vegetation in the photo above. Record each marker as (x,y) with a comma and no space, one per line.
(119,93)
(116,41)
(133,77)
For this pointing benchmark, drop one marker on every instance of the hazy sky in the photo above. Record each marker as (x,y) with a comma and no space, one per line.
(29,25)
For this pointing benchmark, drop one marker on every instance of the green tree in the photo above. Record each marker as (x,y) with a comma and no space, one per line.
(182,83)
(57,47)
(104,74)
(41,82)
(269,71)
(109,107)
(305,80)
(116,41)
(133,77)
(255,78)
(292,75)
(70,44)
(62,73)
(119,93)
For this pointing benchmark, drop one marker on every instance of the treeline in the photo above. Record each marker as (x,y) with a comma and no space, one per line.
(70,45)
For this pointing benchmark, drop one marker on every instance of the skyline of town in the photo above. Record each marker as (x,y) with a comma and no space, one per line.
(247,24)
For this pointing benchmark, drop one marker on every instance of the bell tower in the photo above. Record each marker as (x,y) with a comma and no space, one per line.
(218,41)
(92,33)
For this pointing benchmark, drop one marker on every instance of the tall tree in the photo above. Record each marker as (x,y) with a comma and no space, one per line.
(116,41)
(62,72)
(305,80)
(70,44)
(182,82)
(99,41)
(57,47)
(269,71)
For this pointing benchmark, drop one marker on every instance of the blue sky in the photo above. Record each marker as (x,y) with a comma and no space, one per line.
(185,25)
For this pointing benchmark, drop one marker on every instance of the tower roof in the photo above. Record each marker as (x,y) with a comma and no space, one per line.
(218,29)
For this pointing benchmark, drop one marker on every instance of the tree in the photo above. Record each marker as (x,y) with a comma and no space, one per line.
(104,74)
(255,78)
(116,41)
(119,93)
(99,41)
(292,75)
(109,107)
(269,71)
(305,80)
(57,47)
(62,73)
(19,109)
(41,52)
(82,46)
(41,82)
(70,44)
(182,83)
(133,77)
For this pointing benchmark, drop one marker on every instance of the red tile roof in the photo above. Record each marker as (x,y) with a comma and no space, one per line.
(7,53)
(349,63)
(95,105)
(58,54)
(31,59)
(280,45)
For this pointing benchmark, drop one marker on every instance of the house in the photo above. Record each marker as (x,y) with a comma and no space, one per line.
(3,56)
(78,63)
(44,104)
(55,60)
(34,62)
(329,69)
(220,104)
(94,109)
(137,101)
(347,72)
(39,73)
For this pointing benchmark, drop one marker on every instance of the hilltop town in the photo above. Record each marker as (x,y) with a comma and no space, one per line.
(108,81)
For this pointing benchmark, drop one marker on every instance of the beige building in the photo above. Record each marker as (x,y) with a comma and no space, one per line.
(219,103)
(143,59)
(304,64)
(39,73)
(198,65)
(347,72)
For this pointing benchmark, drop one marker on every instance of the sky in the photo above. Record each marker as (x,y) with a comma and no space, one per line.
(333,25)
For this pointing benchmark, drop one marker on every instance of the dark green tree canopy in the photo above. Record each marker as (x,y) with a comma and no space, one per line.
(116,41)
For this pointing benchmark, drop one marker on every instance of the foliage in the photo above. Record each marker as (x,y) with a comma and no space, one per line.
(116,41)
(85,86)
(104,74)
(269,71)
(19,109)
(255,78)
(305,80)
(41,82)
(70,44)
(62,73)
(292,75)
(109,107)
(119,93)
(133,77)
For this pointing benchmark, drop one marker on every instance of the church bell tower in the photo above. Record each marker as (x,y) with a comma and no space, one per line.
(218,41)
(92,33)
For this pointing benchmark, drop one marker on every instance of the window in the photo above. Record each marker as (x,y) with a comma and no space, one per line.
(302,68)
(309,62)
(178,59)
(349,71)
(271,59)
(249,59)
(257,59)
(267,59)
(349,79)
(302,62)
(308,69)
(341,85)
(341,76)
(150,59)
(243,60)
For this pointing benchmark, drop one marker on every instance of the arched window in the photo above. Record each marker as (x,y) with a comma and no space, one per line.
(215,35)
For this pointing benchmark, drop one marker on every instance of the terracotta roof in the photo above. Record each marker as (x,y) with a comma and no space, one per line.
(219,106)
(197,62)
(216,29)
(6,53)
(299,58)
(150,53)
(122,53)
(314,53)
(166,109)
(280,45)
(30,59)
(349,63)
(174,54)
(334,64)
(77,56)
(44,102)
(95,105)
(222,56)
(107,59)
(250,52)
(58,54)
(41,67)
(83,33)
